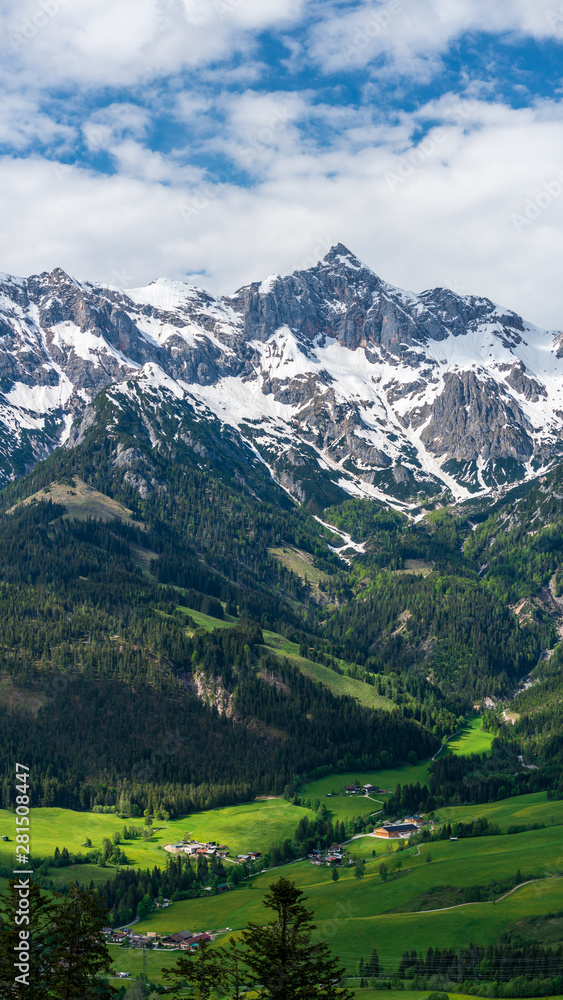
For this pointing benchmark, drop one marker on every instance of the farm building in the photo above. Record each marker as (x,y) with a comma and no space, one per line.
(397,830)
(371,789)
(173,940)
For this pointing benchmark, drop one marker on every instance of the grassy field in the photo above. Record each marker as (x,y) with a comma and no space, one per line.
(523,809)
(339,684)
(471,739)
(206,621)
(81,501)
(300,563)
(356,915)
(418,567)
(135,961)
(251,826)
(342,806)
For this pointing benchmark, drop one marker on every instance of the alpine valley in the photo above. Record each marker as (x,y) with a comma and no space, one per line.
(259,548)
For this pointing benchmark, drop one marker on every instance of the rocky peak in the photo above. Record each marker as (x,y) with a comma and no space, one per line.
(337,380)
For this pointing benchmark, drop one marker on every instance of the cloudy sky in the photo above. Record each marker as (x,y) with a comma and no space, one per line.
(224,140)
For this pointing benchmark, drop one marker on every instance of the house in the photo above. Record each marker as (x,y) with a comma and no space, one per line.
(371,789)
(334,859)
(118,936)
(174,940)
(139,941)
(351,789)
(396,830)
(417,820)
(200,939)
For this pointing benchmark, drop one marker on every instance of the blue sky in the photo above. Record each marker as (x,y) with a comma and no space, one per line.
(229,139)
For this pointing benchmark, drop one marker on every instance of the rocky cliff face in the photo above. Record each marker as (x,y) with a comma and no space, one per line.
(337,381)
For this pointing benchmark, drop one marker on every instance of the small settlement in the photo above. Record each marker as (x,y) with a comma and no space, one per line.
(195,848)
(357,789)
(184,940)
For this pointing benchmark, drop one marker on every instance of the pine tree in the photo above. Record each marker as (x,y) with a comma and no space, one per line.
(11,923)
(283,959)
(77,951)
(374,964)
(202,969)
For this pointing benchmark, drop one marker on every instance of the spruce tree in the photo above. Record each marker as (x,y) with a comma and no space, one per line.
(78,953)
(202,969)
(40,913)
(283,958)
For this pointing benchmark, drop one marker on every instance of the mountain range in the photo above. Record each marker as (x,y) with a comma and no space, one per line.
(329,381)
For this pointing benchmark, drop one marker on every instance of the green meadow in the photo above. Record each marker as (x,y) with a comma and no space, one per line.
(471,739)
(355,915)
(251,826)
(330,790)
(405,911)
(518,811)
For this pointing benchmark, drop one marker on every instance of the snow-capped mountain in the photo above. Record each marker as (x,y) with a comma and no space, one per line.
(335,380)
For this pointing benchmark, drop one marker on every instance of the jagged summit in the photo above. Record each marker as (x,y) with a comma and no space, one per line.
(337,381)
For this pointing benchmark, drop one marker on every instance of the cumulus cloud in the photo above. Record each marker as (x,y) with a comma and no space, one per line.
(117,42)
(475,204)
(411,38)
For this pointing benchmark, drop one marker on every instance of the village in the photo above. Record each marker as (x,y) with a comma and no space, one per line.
(184,940)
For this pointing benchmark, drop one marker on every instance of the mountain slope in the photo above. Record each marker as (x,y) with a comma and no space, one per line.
(330,379)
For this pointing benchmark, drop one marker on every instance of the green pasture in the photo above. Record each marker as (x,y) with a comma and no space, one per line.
(206,621)
(135,961)
(387,778)
(300,563)
(405,995)
(358,914)
(471,739)
(516,811)
(339,684)
(250,826)
(355,915)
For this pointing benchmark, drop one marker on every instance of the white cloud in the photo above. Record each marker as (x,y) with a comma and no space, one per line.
(23,124)
(119,42)
(449,219)
(410,38)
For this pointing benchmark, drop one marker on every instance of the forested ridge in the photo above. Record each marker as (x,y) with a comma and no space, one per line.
(117,696)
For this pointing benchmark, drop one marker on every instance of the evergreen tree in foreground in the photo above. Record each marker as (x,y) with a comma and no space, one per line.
(283,959)
(67,951)
(35,922)
(202,969)
(78,953)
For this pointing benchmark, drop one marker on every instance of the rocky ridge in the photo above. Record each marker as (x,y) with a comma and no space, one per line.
(335,380)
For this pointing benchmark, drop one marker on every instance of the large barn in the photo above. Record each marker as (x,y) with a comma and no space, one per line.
(398,830)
